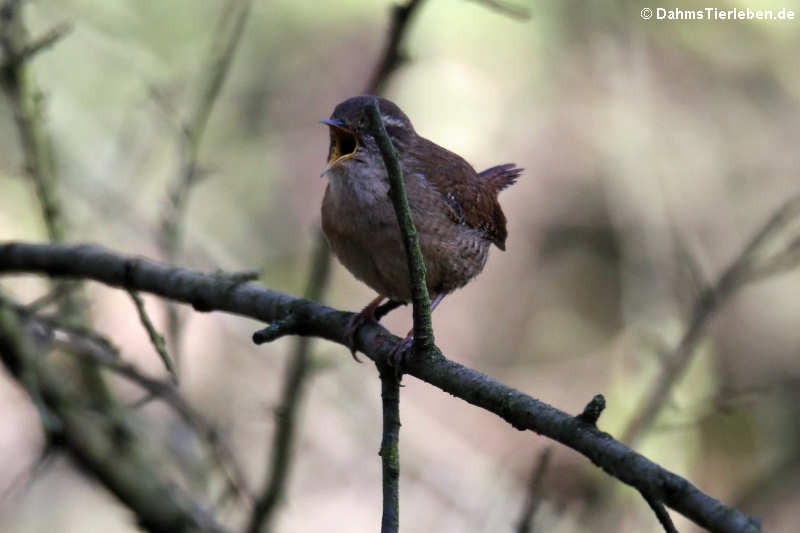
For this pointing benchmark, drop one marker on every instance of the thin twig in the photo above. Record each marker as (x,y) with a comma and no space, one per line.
(390,449)
(280,454)
(155,337)
(506,8)
(661,513)
(744,269)
(423,328)
(535,490)
(227,38)
(27,104)
(392,57)
(53,296)
(26,477)
(219,451)
(691,271)
(101,440)
(47,40)
(98,350)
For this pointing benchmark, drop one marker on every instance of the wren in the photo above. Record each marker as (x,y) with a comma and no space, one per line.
(454,208)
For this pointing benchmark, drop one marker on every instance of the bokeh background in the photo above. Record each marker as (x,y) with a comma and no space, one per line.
(653,151)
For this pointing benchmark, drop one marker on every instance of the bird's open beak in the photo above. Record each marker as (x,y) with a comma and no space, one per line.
(343,143)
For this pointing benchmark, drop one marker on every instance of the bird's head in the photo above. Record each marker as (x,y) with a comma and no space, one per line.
(351,130)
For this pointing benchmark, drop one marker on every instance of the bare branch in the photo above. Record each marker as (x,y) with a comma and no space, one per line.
(54,296)
(42,43)
(26,477)
(520,410)
(27,104)
(227,37)
(392,57)
(98,436)
(535,489)
(423,328)
(155,337)
(742,270)
(291,397)
(506,8)
(390,449)
(96,349)
(661,513)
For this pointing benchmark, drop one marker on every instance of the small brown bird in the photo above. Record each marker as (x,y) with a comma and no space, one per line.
(454,208)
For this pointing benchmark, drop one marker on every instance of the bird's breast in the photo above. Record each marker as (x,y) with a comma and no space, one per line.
(359,222)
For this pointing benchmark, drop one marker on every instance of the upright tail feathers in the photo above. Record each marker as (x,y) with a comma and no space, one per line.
(501,176)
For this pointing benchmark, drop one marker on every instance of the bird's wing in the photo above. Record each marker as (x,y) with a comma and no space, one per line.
(471,198)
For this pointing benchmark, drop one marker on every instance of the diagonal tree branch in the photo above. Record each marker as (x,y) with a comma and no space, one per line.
(392,57)
(100,439)
(28,106)
(507,8)
(535,490)
(287,412)
(661,514)
(95,349)
(748,266)
(226,40)
(211,293)
(27,103)
(156,339)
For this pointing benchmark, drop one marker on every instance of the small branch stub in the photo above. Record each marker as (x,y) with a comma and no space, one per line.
(280,328)
(591,413)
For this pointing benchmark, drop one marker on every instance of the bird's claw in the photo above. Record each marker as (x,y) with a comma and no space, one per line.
(353,325)
(399,354)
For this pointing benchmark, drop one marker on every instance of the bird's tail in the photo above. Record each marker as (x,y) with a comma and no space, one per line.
(501,176)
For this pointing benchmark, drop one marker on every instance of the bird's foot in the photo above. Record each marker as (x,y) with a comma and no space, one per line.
(365,316)
(352,328)
(397,357)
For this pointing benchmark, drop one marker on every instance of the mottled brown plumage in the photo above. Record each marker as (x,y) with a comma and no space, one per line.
(454,208)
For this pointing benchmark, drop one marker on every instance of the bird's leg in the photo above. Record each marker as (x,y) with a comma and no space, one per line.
(366,315)
(398,354)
